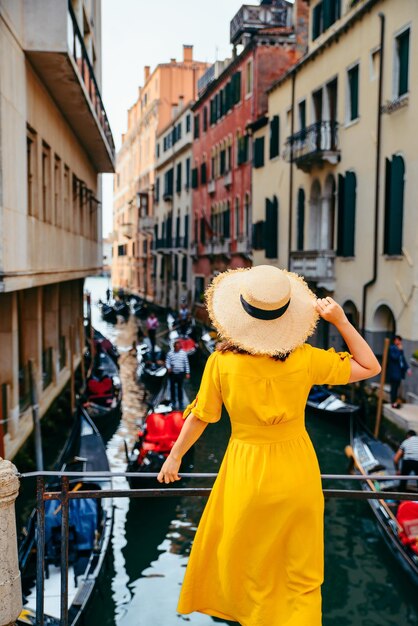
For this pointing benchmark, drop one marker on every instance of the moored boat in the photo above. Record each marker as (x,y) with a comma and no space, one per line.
(90,528)
(156,437)
(326,402)
(151,367)
(397,523)
(187,342)
(102,398)
(108,313)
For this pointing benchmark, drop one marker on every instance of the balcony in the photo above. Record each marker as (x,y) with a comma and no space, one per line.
(250,19)
(127,230)
(147,222)
(228,179)
(211,187)
(55,48)
(314,145)
(219,245)
(316,266)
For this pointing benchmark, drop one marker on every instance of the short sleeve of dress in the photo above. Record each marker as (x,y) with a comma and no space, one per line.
(329,367)
(207,406)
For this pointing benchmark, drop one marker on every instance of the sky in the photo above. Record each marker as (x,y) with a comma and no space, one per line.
(147,32)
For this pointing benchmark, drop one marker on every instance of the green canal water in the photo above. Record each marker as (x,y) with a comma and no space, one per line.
(364,586)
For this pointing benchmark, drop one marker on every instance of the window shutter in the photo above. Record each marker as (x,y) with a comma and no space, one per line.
(353,79)
(203,176)
(196,127)
(274,136)
(403,52)
(205,118)
(258,235)
(327,13)
(202,230)
(184,269)
(317,21)
(350,191)
(340,224)
(178,178)
(195,178)
(226,224)
(259,152)
(272,227)
(300,220)
(394,194)
(186,231)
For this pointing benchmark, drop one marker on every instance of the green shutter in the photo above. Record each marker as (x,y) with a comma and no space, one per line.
(301,220)
(274,136)
(259,152)
(272,227)
(340,222)
(327,13)
(237,87)
(226,224)
(350,192)
(186,231)
(317,21)
(394,212)
(184,269)
(403,52)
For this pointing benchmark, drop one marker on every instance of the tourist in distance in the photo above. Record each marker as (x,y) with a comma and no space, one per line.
(397,369)
(408,454)
(152,326)
(257,556)
(177,364)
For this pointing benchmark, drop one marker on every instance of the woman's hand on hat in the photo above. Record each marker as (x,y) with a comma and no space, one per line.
(330,310)
(169,472)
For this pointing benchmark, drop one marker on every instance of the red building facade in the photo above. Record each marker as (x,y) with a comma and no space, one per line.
(222,148)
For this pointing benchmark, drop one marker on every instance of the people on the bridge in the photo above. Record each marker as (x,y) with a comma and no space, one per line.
(397,369)
(257,557)
(407,456)
(178,368)
(152,326)
(184,318)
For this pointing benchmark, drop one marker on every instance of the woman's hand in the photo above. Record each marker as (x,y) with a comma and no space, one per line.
(330,311)
(170,470)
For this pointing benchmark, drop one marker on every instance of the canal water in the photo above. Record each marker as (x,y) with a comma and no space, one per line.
(151,541)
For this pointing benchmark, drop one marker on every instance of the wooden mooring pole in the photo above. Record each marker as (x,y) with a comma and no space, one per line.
(381,388)
(35,417)
(72,372)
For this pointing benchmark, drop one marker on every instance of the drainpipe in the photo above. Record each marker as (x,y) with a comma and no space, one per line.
(377,182)
(292,131)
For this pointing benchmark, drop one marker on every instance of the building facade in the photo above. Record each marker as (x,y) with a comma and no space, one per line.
(272,36)
(166,87)
(337,202)
(54,141)
(172,211)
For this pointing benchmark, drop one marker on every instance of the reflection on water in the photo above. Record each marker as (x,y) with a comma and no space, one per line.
(152,538)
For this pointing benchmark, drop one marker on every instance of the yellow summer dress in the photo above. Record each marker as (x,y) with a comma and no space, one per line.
(257,557)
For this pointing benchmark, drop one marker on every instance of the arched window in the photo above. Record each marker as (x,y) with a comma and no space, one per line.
(315,216)
(384,326)
(300,220)
(347,198)
(394,200)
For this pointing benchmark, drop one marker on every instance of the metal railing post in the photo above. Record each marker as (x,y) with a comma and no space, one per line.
(10,586)
(40,550)
(64,550)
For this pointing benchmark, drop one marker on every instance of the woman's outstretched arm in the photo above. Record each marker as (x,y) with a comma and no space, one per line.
(192,429)
(364,363)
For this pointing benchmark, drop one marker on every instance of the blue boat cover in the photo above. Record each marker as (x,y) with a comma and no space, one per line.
(83,523)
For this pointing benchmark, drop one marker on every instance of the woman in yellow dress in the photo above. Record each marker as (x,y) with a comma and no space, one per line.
(257,557)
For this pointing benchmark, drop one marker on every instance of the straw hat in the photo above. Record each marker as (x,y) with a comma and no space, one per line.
(263,310)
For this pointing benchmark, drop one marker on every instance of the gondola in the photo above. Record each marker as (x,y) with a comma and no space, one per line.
(397,523)
(328,403)
(151,369)
(187,341)
(122,308)
(108,313)
(101,343)
(208,341)
(156,437)
(90,528)
(102,397)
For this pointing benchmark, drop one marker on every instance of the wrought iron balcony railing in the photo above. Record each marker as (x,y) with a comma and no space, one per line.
(313,145)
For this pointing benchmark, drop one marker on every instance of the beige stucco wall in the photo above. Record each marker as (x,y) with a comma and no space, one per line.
(397,277)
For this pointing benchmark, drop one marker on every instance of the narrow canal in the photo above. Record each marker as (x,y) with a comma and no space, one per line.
(363,584)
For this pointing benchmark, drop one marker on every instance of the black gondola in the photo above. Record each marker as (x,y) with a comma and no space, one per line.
(329,403)
(151,367)
(108,313)
(161,427)
(122,308)
(90,528)
(101,343)
(397,523)
(102,397)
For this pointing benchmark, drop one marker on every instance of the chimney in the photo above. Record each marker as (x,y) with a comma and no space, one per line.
(181,102)
(147,72)
(187,53)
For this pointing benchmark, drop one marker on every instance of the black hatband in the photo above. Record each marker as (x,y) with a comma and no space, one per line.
(262,314)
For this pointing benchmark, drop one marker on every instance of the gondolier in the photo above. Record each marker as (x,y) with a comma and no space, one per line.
(408,453)
(178,368)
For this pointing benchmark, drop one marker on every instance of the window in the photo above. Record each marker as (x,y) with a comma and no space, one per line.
(402,64)
(186,232)
(317,21)
(258,235)
(57,190)
(158,150)
(178,178)
(394,201)
(66,198)
(203,174)
(46,183)
(272,228)
(202,230)
(157,190)
(236,219)
(32,171)
(300,230)
(325,13)
(226,222)
(353,85)
(205,119)
(196,127)
(222,162)
(188,173)
(184,269)
(347,191)
(168,184)
(188,122)
(236,87)
(274,136)
(302,115)
(259,152)
(243,143)
(249,77)
(195,178)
